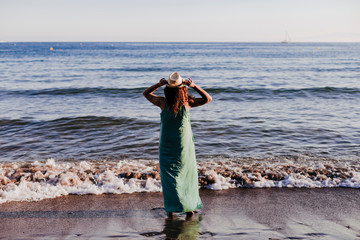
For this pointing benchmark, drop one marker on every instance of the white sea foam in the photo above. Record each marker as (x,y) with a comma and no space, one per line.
(32,181)
(220,182)
(36,181)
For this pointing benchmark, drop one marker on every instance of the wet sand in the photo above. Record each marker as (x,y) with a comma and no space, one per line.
(327,213)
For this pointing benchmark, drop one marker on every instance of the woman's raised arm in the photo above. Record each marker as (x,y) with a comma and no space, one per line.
(156,100)
(205,97)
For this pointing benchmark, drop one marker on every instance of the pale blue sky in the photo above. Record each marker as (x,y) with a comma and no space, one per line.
(180,20)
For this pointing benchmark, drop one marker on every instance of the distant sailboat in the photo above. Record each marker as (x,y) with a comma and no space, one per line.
(287,38)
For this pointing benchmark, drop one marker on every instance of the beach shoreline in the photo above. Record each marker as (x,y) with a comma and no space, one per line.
(266,213)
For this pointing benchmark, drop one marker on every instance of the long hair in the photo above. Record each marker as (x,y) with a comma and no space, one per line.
(176,97)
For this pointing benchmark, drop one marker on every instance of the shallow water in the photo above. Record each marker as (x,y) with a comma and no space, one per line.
(232,214)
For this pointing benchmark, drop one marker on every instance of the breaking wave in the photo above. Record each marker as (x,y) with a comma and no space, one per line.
(32,181)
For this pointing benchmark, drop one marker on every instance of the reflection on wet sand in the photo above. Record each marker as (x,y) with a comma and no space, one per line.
(175,228)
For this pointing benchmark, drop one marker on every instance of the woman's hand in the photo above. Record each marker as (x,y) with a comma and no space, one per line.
(163,81)
(189,83)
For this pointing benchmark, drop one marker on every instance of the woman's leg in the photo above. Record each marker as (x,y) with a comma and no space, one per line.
(189,214)
(170,215)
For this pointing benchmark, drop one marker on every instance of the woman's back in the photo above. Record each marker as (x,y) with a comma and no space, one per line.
(178,162)
(175,129)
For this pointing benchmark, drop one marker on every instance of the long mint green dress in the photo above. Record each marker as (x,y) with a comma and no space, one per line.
(178,170)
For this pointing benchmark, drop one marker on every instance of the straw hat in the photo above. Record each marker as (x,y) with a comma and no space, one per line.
(175,80)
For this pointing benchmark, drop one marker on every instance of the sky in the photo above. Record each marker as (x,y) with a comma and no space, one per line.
(180,20)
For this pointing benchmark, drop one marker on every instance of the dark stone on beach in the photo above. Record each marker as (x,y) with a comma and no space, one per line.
(137,175)
(157,176)
(274,176)
(242,179)
(321,177)
(126,175)
(142,176)
(247,170)
(206,180)
(17,175)
(210,179)
(202,171)
(5,181)
(93,180)
(26,165)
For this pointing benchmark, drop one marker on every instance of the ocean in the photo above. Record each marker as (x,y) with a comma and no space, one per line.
(74,121)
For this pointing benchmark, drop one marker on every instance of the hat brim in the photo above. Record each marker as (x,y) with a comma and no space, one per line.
(182,84)
(176,86)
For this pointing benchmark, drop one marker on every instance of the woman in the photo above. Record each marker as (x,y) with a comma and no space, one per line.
(178,172)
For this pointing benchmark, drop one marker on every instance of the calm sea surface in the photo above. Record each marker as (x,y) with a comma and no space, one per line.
(83,101)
